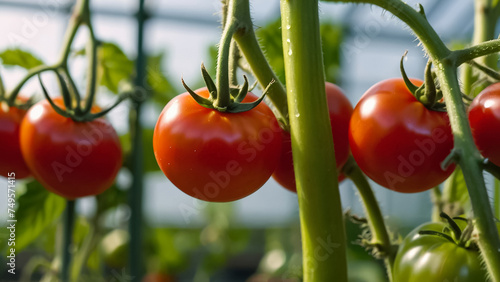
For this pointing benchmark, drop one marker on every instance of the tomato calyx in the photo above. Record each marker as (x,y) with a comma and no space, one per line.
(428,93)
(237,94)
(453,233)
(74,108)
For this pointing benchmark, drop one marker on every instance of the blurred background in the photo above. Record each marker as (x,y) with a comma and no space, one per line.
(259,234)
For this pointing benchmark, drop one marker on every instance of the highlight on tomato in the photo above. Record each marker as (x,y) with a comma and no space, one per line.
(12,160)
(216,156)
(69,158)
(397,141)
(484,119)
(340,110)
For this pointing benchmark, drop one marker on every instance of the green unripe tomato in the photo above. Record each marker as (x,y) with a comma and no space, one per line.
(425,257)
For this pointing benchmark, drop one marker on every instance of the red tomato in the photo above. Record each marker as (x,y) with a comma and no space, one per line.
(484,118)
(340,111)
(397,141)
(71,159)
(215,156)
(10,150)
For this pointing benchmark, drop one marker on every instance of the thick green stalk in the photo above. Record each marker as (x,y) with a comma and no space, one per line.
(68,223)
(380,236)
(249,46)
(322,224)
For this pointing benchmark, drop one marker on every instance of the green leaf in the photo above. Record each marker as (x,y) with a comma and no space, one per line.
(162,89)
(169,255)
(37,210)
(113,66)
(20,58)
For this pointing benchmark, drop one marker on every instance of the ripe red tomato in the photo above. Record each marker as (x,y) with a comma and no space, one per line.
(340,110)
(12,159)
(71,159)
(397,141)
(216,156)
(484,118)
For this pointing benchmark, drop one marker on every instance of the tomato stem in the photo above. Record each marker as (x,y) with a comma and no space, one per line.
(92,70)
(69,220)
(320,209)
(223,93)
(249,47)
(380,235)
(32,72)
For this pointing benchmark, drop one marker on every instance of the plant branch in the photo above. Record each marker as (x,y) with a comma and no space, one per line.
(476,51)
(380,235)
(249,46)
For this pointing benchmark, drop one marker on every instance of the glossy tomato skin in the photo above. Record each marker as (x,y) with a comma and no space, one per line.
(12,160)
(484,118)
(71,159)
(340,110)
(433,258)
(215,156)
(397,141)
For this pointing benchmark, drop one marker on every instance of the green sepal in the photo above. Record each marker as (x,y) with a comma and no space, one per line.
(243,91)
(212,89)
(436,233)
(120,99)
(427,93)
(412,87)
(64,91)
(243,107)
(457,232)
(54,106)
(200,100)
